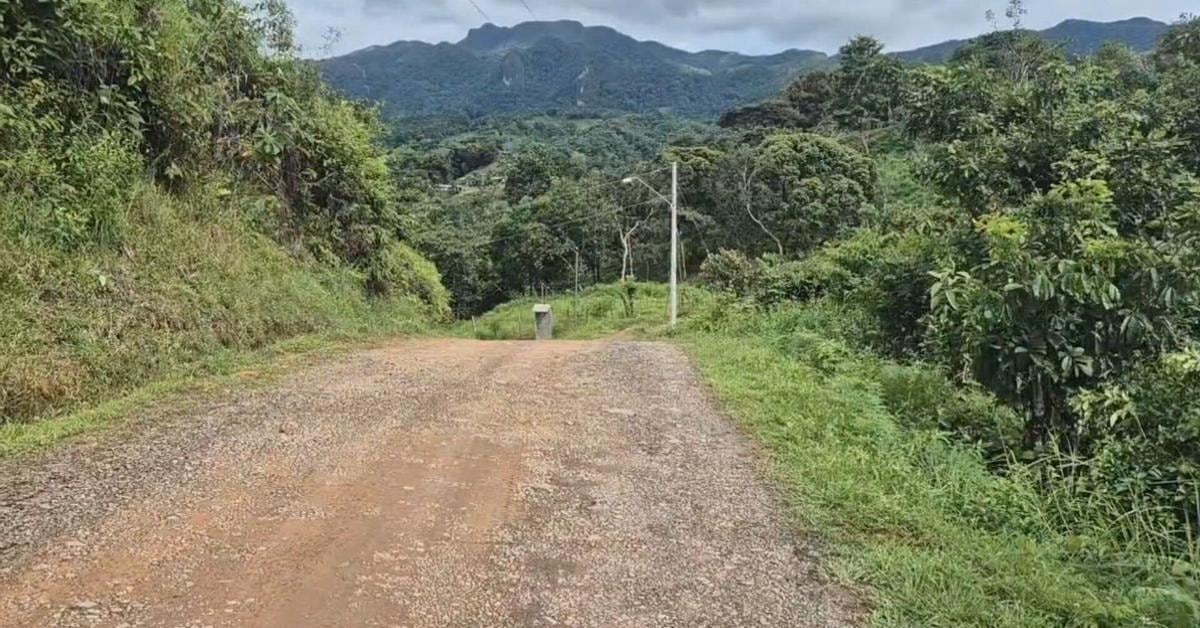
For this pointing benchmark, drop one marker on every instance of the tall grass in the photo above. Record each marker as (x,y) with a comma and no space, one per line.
(596,312)
(189,280)
(934,536)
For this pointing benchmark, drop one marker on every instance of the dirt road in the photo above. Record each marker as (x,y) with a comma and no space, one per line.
(423,483)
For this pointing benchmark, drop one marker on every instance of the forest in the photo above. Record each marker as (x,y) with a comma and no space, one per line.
(1014,232)
(972,287)
(179,187)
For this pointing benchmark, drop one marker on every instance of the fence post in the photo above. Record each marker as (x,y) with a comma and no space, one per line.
(543,322)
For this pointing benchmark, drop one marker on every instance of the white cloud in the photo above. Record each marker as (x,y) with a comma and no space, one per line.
(764,26)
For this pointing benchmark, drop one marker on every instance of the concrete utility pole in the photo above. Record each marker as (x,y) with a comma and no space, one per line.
(674,203)
(674,242)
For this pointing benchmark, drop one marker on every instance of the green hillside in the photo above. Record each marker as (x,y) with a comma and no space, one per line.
(177,186)
(1077,38)
(537,66)
(567,67)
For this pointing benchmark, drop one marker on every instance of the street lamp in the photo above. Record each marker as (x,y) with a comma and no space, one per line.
(673,201)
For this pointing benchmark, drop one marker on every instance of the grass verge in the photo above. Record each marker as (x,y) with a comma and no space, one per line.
(919,521)
(218,371)
(193,289)
(596,312)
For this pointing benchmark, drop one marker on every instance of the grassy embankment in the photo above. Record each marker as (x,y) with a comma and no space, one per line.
(914,519)
(194,291)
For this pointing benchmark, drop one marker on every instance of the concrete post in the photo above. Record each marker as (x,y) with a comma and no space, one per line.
(543,322)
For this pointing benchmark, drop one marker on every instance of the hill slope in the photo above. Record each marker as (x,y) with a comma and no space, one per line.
(541,65)
(538,66)
(1078,37)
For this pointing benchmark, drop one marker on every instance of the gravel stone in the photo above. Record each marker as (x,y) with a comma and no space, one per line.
(419,483)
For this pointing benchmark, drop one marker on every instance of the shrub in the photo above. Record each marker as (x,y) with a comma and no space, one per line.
(1143,436)
(1061,303)
(814,277)
(921,397)
(731,271)
(400,270)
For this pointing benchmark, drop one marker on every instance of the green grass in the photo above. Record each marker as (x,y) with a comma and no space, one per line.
(598,311)
(916,521)
(221,370)
(191,289)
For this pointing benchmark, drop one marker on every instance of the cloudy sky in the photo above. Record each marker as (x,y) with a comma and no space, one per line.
(751,26)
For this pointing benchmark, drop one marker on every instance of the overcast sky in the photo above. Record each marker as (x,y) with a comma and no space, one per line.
(751,26)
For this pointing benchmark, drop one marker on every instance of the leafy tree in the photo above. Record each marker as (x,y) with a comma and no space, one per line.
(868,85)
(771,114)
(1181,44)
(811,96)
(811,188)
(1133,71)
(533,170)
(1061,301)
(1017,55)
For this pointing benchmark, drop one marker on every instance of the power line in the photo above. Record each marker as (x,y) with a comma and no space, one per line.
(582,218)
(606,212)
(485,15)
(531,13)
(600,186)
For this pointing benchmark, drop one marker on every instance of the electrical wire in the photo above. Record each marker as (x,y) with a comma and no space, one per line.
(485,15)
(531,13)
(606,212)
(598,186)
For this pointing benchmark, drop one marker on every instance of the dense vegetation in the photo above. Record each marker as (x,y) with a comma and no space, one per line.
(536,66)
(175,184)
(512,206)
(957,301)
(1076,37)
(1036,241)
(960,305)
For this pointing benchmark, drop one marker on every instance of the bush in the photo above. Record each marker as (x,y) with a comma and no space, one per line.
(812,278)
(93,94)
(731,271)
(921,397)
(400,270)
(1143,436)
(177,187)
(71,192)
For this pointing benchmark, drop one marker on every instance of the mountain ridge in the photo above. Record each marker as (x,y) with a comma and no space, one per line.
(565,65)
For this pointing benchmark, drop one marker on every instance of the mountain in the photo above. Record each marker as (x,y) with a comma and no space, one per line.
(566,66)
(1078,38)
(536,66)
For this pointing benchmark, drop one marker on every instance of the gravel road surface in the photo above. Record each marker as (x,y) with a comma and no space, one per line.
(420,483)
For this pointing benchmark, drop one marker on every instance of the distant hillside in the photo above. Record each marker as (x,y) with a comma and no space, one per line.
(1078,37)
(538,66)
(542,66)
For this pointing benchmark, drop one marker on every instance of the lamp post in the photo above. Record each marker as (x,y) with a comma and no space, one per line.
(673,201)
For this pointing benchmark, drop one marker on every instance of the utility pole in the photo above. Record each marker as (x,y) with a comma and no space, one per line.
(674,203)
(674,242)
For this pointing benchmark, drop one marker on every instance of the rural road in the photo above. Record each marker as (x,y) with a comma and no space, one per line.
(418,483)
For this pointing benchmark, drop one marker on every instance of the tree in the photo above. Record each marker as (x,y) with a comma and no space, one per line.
(1061,301)
(1181,43)
(534,169)
(867,85)
(770,114)
(811,96)
(812,188)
